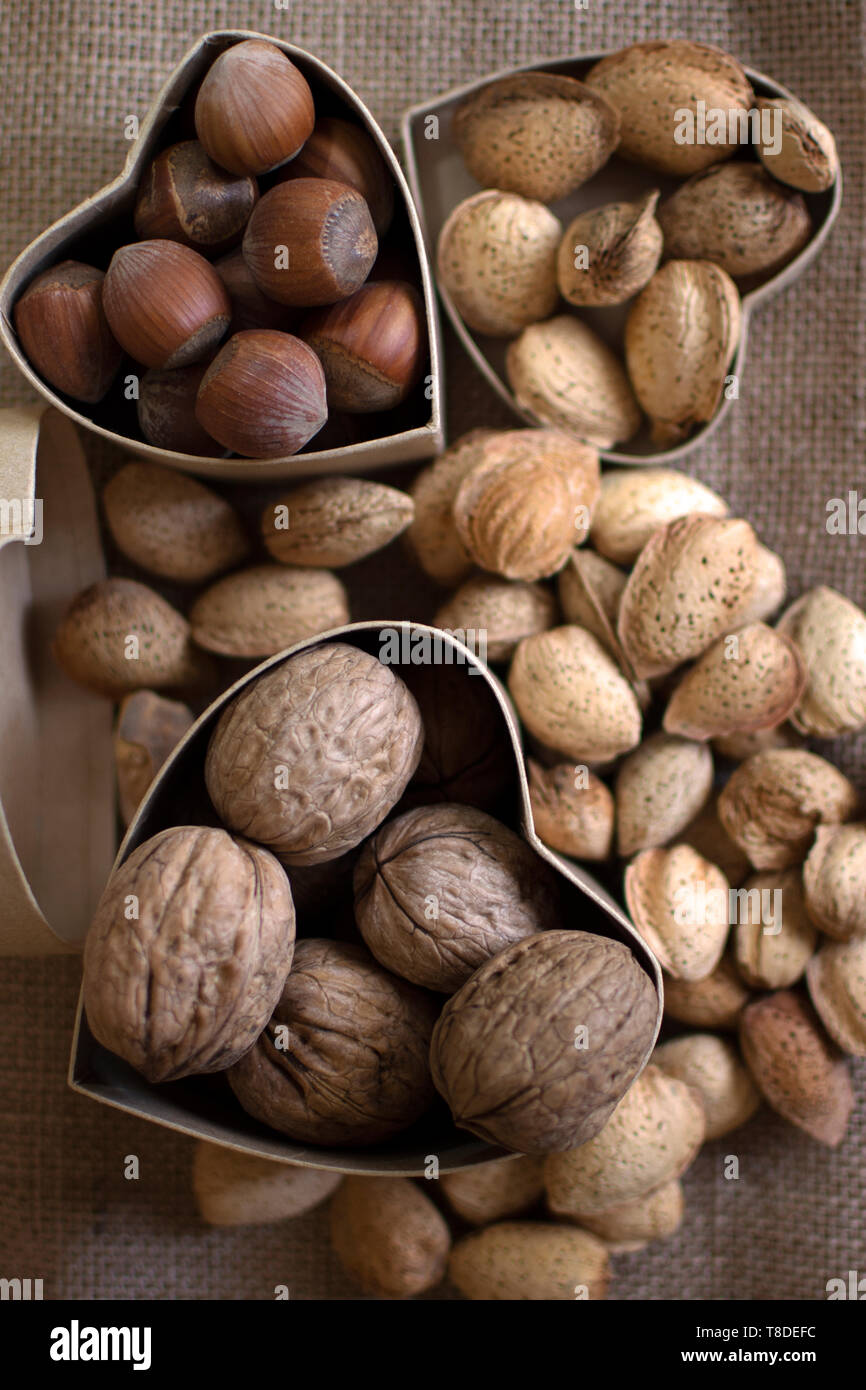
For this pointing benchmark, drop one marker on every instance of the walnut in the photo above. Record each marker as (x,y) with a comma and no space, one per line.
(345,1057)
(442,888)
(467,755)
(312,756)
(537,1048)
(188,951)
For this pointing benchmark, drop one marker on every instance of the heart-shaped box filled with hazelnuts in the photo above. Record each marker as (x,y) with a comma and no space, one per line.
(332,936)
(251,297)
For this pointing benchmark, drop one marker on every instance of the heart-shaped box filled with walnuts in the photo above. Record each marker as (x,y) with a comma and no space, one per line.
(251,297)
(357,809)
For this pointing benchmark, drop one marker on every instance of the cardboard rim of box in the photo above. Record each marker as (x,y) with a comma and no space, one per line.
(420,442)
(57,826)
(99,1075)
(442,104)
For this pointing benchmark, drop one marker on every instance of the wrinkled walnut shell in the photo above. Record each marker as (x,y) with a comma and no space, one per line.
(311,757)
(187,984)
(443,888)
(344,1059)
(506,1054)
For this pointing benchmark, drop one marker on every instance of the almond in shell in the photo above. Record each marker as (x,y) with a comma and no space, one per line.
(260,611)
(573,697)
(332,522)
(680,905)
(432,534)
(836,977)
(714,1002)
(773,936)
(609,253)
(503,610)
(834,876)
(635,502)
(534,1260)
(807,158)
(572,810)
(830,632)
(749,679)
(796,1067)
(660,788)
(650,1139)
(690,582)
(632,1225)
(712,1066)
(775,801)
(489,1192)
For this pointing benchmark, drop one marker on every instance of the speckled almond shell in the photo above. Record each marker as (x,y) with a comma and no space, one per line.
(769,589)
(808,158)
(681,335)
(172,524)
(796,1066)
(503,1053)
(651,1138)
(536,133)
(714,1002)
(709,837)
(775,801)
(389,1236)
(564,375)
(634,502)
(830,632)
(505,610)
(770,954)
(489,1192)
(679,903)
(530,1260)
(689,585)
(240,1189)
(590,589)
(623,242)
(660,787)
(515,517)
(258,612)
(333,522)
(632,1225)
(648,83)
(575,820)
(92,642)
(432,535)
(738,747)
(573,697)
(836,976)
(496,257)
(750,679)
(833,878)
(737,216)
(712,1066)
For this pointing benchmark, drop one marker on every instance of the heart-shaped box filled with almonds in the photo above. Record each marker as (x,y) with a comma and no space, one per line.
(604,226)
(251,297)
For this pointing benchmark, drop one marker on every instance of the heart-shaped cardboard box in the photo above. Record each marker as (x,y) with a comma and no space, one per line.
(205,1106)
(440,180)
(93,230)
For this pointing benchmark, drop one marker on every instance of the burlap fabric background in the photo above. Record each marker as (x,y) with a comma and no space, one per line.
(72,70)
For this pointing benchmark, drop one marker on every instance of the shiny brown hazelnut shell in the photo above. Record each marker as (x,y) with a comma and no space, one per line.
(343,151)
(371,346)
(165,304)
(254,109)
(185,197)
(310,242)
(62,328)
(263,395)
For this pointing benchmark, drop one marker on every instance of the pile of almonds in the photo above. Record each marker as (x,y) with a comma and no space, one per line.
(511,268)
(245,318)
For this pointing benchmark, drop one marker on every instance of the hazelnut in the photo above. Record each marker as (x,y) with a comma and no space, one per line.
(370,345)
(343,151)
(166,411)
(250,308)
(263,395)
(310,242)
(496,257)
(254,109)
(63,330)
(165,304)
(185,197)
(188,985)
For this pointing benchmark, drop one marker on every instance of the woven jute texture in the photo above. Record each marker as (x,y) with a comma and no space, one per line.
(796,1216)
